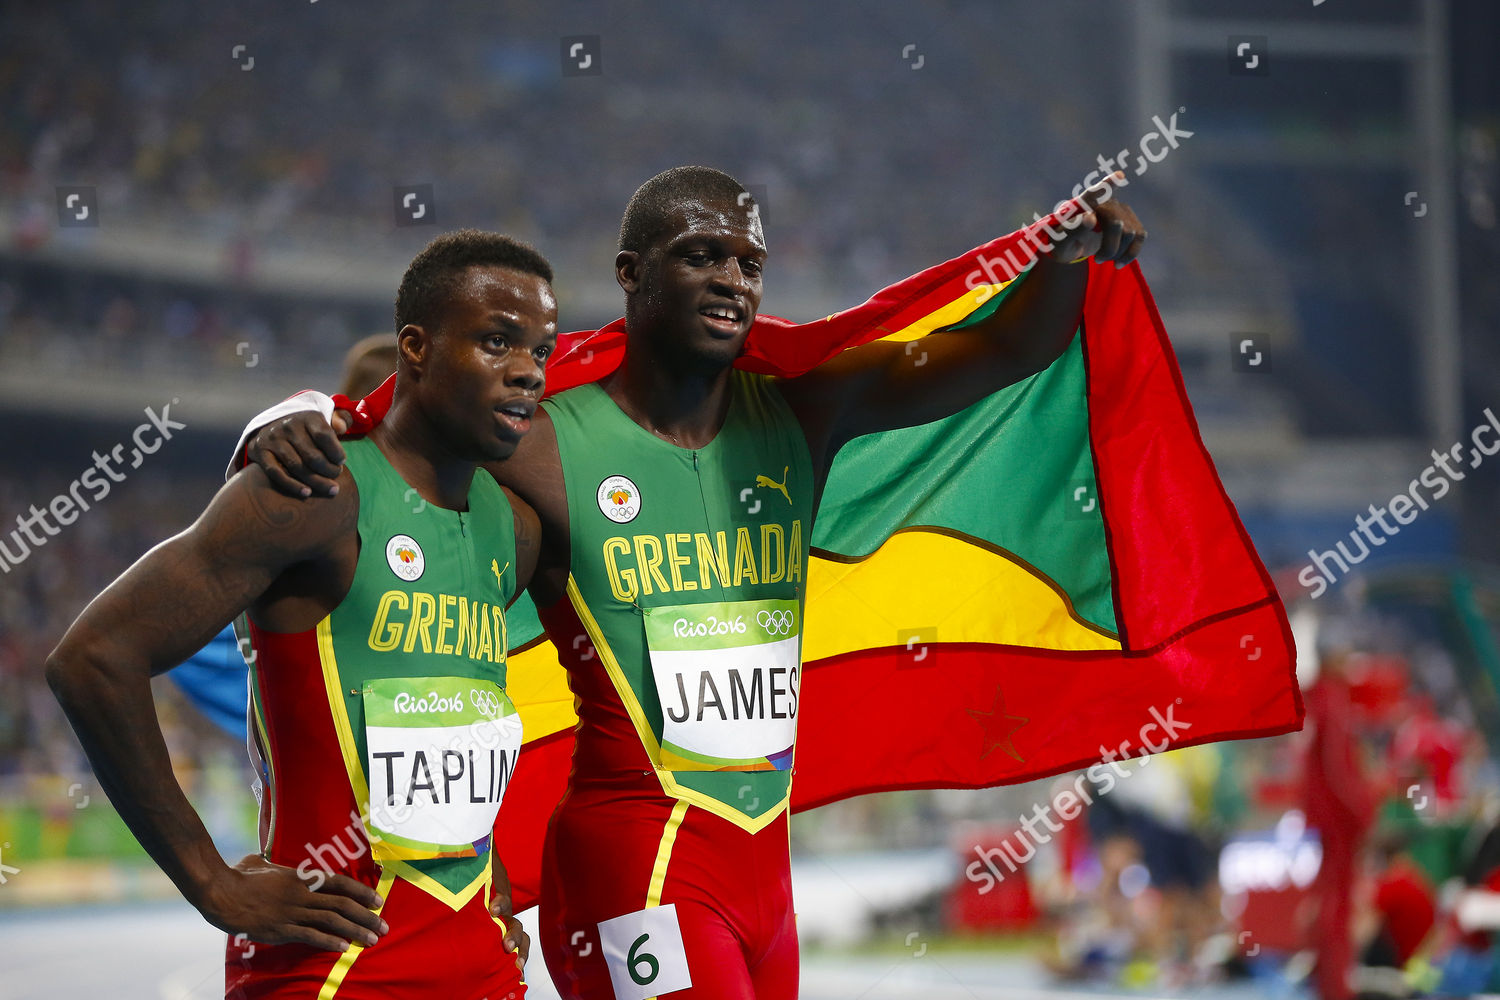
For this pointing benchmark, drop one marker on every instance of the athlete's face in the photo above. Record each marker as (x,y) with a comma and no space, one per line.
(482,374)
(696,289)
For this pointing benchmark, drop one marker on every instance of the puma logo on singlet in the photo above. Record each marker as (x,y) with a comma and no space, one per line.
(768,481)
(499,577)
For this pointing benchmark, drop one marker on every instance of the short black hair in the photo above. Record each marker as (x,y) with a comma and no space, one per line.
(430,278)
(646,214)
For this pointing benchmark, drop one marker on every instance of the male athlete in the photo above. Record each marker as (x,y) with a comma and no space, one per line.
(378,620)
(676,499)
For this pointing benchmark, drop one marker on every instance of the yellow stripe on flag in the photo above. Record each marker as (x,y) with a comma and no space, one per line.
(538,686)
(954,312)
(922,578)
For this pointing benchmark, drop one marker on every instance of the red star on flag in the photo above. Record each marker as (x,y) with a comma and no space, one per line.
(997,727)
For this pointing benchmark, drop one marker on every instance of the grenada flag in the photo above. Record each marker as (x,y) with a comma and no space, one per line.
(1012,592)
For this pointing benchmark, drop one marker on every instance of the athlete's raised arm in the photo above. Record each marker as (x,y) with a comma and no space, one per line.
(884,385)
(164,607)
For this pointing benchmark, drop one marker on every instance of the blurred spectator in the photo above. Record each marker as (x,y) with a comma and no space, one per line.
(1339,806)
(1429,750)
(1404,908)
(368,363)
(1469,966)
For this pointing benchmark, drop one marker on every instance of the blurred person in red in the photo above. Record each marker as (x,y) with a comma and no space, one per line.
(1339,805)
(1403,909)
(1430,749)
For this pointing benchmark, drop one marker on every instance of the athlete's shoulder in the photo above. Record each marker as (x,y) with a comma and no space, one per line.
(572,404)
(758,383)
(573,396)
(363,458)
(765,396)
(579,418)
(259,517)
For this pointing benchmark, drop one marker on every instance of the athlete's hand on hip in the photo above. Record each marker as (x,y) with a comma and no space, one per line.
(301,454)
(516,938)
(273,904)
(1103,227)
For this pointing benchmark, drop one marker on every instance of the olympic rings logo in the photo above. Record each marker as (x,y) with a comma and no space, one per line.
(775,622)
(486,702)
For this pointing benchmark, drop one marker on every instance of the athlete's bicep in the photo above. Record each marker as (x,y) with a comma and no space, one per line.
(185,590)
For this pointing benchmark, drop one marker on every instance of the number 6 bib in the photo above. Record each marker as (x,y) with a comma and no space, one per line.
(727,676)
(644,953)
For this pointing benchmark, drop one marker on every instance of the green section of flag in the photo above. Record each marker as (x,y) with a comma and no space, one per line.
(1014,471)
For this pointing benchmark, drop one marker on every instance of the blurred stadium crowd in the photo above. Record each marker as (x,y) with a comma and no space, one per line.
(42,596)
(865,176)
(870,167)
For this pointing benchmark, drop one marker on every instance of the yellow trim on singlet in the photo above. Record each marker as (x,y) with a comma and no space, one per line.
(648,738)
(356,772)
(346,960)
(263,741)
(664,854)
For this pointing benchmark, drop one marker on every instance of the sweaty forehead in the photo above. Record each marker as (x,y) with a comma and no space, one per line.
(484,289)
(721,219)
(493,285)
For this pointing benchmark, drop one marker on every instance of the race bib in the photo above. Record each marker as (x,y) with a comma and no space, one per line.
(644,953)
(727,675)
(440,753)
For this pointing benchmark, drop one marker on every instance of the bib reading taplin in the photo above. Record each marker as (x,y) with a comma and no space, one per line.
(441,753)
(727,676)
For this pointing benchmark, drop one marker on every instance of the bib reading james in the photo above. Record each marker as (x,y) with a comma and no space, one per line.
(688,571)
